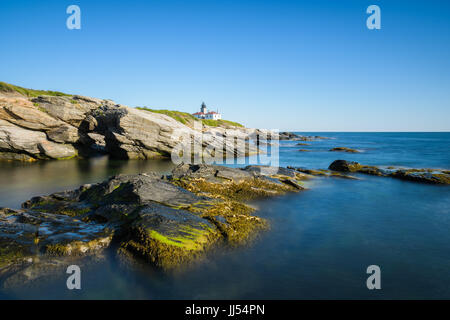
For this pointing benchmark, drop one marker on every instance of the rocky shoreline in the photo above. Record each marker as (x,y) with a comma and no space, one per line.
(162,221)
(431,176)
(60,126)
(148,219)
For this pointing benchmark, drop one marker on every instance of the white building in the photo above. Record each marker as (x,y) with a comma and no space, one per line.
(204,114)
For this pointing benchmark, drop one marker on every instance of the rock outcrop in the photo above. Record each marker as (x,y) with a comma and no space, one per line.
(64,126)
(344,149)
(296,137)
(432,176)
(322,173)
(165,221)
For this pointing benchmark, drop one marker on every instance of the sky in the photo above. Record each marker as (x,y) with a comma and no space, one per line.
(288,65)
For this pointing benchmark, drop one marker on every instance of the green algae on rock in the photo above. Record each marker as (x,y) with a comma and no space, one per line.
(165,221)
(309,173)
(34,244)
(168,237)
(431,176)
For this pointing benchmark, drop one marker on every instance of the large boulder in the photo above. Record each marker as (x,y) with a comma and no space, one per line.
(64,133)
(168,237)
(345,166)
(136,134)
(71,110)
(30,117)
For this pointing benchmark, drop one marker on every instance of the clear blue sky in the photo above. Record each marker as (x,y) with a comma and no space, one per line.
(291,65)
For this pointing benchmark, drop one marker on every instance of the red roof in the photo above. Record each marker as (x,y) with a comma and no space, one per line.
(212,112)
(197,113)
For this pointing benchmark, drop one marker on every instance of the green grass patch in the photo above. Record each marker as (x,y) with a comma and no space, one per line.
(221,123)
(183,117)
(6,87)
(187,118)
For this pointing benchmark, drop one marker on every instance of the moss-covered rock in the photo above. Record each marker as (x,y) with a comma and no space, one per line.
(167,221)
(345,166)
(324,173)
(432,176)
(168,237)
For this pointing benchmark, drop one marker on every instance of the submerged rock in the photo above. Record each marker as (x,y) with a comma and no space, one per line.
(296,137)
(344,149)
(435,177)
(288,136)
(323,173)
(345,166)
(432,176)
(33,240)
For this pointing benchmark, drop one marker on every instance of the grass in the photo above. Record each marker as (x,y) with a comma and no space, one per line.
(188,119)
(6,87)
(183,117)
(221,123)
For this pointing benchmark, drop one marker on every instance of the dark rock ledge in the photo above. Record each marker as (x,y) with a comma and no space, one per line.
(344,149)
(164,221)
(295,137)
(432,176)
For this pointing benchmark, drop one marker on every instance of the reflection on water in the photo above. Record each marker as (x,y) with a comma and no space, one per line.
(21,181)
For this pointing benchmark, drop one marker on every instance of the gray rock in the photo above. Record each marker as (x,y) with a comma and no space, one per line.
(211,172)
(77,123)
(432,176)
(267,170)
(64,134)
(57,151)
(17,139)
(31,118)
(345,166)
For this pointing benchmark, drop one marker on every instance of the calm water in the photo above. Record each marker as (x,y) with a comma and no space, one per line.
(322,239)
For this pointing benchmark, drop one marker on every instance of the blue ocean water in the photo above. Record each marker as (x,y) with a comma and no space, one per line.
(408,149)
(321,242)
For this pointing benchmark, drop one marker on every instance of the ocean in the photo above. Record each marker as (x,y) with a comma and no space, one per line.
(321,240)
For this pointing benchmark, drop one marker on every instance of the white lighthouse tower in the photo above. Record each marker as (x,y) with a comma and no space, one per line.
(204,114)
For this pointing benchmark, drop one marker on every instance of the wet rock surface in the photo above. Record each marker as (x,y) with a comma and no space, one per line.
(163,221)
(431,176)
(344,149)
(33,243)
(309,173)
